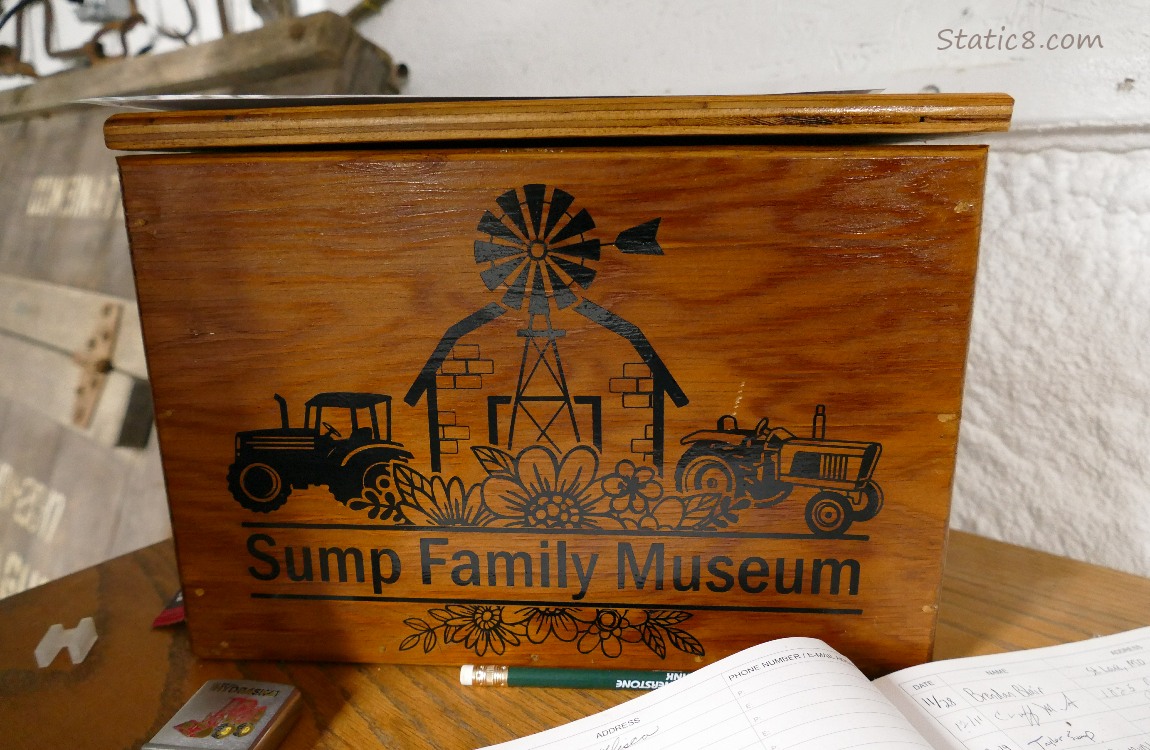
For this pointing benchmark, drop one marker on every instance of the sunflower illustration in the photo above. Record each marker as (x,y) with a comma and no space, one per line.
(543,492)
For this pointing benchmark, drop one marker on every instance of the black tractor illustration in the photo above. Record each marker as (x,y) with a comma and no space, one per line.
(767,463)
(339,445)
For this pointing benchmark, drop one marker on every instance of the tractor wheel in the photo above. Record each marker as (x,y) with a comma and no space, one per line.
(356,480)
(223,730)
(258,486)
(243,730)
(706,472)
(871,496)
(829,514)
(378,477)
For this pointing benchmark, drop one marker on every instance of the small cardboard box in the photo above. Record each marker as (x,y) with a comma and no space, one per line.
(566,382)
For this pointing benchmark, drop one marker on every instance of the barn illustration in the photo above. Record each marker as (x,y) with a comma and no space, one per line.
(529,368)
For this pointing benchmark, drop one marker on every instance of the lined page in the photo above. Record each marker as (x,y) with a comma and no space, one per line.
(790,694)
(1094,694)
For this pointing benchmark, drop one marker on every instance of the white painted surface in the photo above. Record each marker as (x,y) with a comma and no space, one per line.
(1055,447)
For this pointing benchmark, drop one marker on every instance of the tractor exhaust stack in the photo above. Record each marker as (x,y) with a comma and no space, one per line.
(819,423)
(283,410)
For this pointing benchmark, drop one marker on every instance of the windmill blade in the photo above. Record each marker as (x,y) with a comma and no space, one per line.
(535,195)
(509,202)
(514,296)
(587,250)
(564,297)
(496,275)
(488,251)
(580,223)
(640,240)
(538,304)
(490,224)
(561,200)
(581,275)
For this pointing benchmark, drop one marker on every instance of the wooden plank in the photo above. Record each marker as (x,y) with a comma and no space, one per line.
(1027,598)
(67,502)
(279,49)
(64,318)
(46,380)
(517,119)
(62,217)
(142,518)
(28,447)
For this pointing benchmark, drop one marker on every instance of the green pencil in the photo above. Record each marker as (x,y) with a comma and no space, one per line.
(595,679)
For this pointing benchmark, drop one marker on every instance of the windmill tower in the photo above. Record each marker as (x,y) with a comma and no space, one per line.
(536,254)
(536,251)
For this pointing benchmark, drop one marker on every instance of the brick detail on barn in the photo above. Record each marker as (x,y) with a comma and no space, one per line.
(451,434)
(464,369)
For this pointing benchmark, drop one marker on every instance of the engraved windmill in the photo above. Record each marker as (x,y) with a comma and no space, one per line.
(536,262)
(538,254)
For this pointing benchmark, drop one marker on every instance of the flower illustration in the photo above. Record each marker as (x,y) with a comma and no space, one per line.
(434,502)
(544,622)
(608,632)
(632,488)
(497,628)
(480,628)
(540,491)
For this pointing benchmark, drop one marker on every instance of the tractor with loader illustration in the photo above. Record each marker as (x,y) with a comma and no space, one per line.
(343,444)
(767,463)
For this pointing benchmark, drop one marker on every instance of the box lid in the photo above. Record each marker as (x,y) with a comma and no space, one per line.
(427,121)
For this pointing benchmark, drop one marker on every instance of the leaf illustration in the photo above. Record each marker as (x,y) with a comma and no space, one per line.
(410,642)
(495,461)
(411,485)
(700,510)
(654,640)
(684,641)
(668,617)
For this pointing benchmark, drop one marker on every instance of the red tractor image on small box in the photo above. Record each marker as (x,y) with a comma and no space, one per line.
(766,464)
(236,719)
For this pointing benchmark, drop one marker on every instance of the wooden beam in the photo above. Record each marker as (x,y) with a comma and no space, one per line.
(48,334)
(63,318)
(406,121)
(280,49)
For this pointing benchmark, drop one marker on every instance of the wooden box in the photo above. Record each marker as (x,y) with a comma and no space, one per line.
(583,382)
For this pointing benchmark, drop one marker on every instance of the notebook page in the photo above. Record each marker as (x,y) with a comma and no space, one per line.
(1093,693)
(790,694)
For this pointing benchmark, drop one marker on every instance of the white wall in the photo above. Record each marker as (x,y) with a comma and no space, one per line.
(1055,446)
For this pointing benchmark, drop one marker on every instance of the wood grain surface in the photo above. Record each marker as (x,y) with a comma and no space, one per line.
(865,115)
(786,278)
(996,598)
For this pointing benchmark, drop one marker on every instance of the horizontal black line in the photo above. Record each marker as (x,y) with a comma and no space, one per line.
(552,532)
(552,603)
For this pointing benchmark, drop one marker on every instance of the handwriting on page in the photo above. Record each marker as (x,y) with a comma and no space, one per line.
(1095,696)
(794,694)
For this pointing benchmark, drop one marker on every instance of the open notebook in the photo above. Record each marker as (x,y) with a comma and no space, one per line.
(799,693)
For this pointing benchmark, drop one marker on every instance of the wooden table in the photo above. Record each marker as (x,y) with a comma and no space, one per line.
(996,597)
